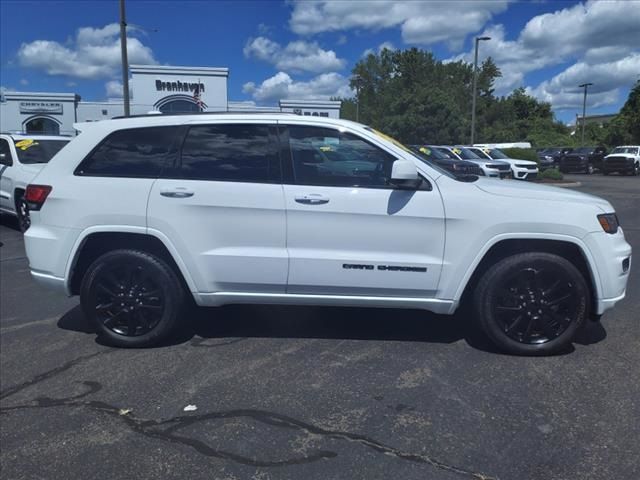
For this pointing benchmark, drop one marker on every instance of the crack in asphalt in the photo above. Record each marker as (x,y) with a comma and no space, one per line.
(50,374)
(199,342)
(167,430)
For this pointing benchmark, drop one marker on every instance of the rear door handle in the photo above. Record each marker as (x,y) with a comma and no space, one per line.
(176,192)
(312,199)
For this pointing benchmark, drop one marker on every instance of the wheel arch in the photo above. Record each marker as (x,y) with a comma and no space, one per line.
(567,247)
(91,244)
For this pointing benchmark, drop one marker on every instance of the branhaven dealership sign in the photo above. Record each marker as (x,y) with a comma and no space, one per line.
(178,86)
(40,107)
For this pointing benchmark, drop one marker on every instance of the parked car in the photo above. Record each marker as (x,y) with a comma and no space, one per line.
(491,168)
(137,214)
(625,159)
(455,166)
(550,157)
(520,169)
(583,160)
(21,158)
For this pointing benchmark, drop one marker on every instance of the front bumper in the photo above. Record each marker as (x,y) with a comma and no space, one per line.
(524,173)
(611,253)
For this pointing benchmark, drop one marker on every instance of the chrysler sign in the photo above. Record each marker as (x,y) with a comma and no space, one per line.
(40,107)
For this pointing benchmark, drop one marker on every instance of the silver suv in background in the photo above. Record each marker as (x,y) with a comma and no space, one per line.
(521,169)
(490,168)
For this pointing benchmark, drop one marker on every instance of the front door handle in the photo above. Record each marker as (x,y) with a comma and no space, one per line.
(312,199)
(176,192)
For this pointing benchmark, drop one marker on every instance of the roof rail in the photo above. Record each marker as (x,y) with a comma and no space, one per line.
(177,114)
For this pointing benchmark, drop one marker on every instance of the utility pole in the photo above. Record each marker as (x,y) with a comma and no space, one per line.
(356,80)
(584,107)
(475,86)
(125,59)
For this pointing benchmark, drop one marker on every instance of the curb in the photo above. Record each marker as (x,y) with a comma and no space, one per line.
(566,185)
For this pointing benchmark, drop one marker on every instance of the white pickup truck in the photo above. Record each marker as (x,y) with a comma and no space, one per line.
(136,214)
(625,159)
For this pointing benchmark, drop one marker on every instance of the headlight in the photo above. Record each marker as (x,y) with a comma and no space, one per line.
(547,157)
(609,222)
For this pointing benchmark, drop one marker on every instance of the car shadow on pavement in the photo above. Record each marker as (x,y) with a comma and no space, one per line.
(343,323)
(9,221)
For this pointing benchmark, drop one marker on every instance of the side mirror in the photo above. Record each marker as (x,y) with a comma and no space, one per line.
(404,174)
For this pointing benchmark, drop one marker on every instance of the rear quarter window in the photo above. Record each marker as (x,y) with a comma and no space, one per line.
(136,152)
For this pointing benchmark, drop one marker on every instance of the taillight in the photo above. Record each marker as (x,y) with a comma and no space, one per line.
(36,195)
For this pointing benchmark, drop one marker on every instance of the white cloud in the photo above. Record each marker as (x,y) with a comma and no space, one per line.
(423,23)
(297,56)
(282,86)
(607,78)
(381,47)
(94,53)
(600,42)
(114,89)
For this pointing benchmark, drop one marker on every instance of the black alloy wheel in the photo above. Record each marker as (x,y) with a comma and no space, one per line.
(132,298)
(536,305)
(636,169)
(589,170)
(22,212)
(127,300)
(532,303)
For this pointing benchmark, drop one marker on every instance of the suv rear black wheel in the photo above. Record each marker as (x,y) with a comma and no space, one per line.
(132,298)
(532,303)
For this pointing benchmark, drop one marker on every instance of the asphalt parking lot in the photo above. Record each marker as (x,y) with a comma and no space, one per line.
(298,392)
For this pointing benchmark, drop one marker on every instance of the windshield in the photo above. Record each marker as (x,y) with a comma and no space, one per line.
(583,150)
(497,154)
(632,150)
(429,152)
(31,151)
(465,153)
(420,157)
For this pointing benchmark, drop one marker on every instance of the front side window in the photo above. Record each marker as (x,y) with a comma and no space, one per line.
(5,153)
(235,153)
(322,156)
(137,152)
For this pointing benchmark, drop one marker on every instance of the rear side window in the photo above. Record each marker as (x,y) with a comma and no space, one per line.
(138,152)
(236,153)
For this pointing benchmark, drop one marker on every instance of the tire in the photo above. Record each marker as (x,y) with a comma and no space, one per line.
(22,212)
(531,303)
(132,298)
(636,169)
(589,170)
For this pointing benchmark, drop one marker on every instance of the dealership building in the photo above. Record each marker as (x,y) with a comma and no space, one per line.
(153,88)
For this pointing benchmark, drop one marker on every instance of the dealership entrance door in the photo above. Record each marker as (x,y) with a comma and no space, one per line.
(43,126)
(180,106)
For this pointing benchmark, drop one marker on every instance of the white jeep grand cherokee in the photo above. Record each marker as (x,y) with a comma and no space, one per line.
(136,214)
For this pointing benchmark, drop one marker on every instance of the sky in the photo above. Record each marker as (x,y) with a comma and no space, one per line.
(307,49)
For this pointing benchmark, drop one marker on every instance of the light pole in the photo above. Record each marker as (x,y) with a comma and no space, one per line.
(125,60)
(475,85)
(584,107)
(356,81)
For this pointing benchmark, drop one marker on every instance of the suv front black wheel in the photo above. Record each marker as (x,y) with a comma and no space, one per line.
(532,303)
(132,298)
